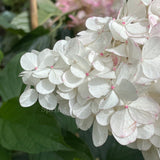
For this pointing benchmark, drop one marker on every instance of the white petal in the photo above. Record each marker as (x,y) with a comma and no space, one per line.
(145,131)
(28,97)
(29,61)
(83,91)
(151,154)
(45,87)
(84,124)
(151,48)
(64,108)
(41,73)
(155,32)
(98,87)
(48,101)
(138,28)
(82,111)
(67,95)
(144,110)
(157,127)
(151,68)
(103,117)
(77,71)
(99,134)
(98,65)
(70,80)
(46,58)
(55,76)
(155,140)
(136,9)
(143,145)
(92,23)
(63,88)
(126,90)
(122,124)
(109,101)
(119,50)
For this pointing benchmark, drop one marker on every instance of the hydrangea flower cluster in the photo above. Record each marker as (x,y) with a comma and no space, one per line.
(107,77)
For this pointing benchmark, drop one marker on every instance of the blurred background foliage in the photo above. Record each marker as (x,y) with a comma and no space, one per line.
(34,133)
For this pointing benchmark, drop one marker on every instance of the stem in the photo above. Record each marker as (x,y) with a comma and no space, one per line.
(33,14)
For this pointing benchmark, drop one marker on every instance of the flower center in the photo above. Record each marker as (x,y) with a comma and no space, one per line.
(126,107)
(101,54)
(112,87)
(87,74)
(51,67)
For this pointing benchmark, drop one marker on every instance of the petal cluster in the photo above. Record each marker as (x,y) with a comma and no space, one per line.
(107,78)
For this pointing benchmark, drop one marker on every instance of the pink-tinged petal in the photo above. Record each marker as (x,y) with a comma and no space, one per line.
(118,31)
(28,97)
(126,140)
(82,111)
(99,134)
(155,32)
(109,101)
(48,101)
(145,131)
(155,140)
(98,87)
(143,145)
(45,87)
(70,80)
(144,110)
(122,124)
(29,61)
(103,117)
(55,76)
(85,124)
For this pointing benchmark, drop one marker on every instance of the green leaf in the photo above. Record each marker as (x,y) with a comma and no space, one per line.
(21,21)
(29,130)
(66,122)
(79,151)
(111,150)
(118,152)
(4,154)
(37,39)
(1,56)
(10,83)
(45,156)
(49,7)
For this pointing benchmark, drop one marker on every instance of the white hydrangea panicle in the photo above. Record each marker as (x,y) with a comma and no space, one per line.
(107,78)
